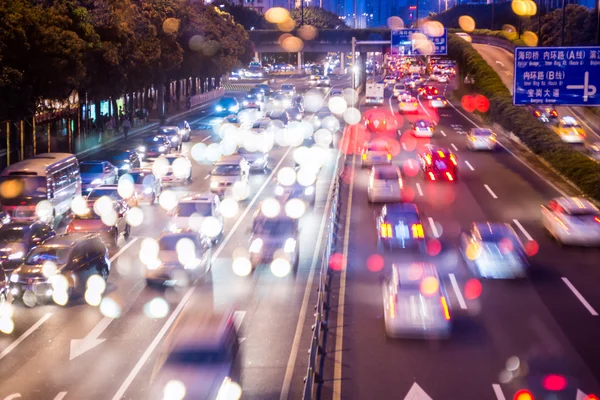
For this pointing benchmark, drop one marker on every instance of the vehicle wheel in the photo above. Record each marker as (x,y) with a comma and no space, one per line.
(127,232)
(104,272)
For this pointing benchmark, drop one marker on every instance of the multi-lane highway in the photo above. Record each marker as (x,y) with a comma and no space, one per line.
(81,352)
(507,336)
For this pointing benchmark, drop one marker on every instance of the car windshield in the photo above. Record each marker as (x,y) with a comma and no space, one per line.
(377,146)
(22,186)
(97,193)
(40,255)
(227,101)
(90,168)
(583,213)
(386,174)
(154,139)
(570,124)
(482,132)
(169,242)
(226,170)
(170,131)
(198,356)
(87,216)
(187,209)
(273,227)
(287,87)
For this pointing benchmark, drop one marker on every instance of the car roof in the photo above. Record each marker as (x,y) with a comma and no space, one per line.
(570,204)
(107,186)
(198,198)
(439,152)
(178,233)
(258,216)
(232,159)
(198,328)
(568,120)
(493,230)
(400,208)
(140,171)
(67,240)
(92,162)
(169,127)
(422,122)
(384,168)
(415,272)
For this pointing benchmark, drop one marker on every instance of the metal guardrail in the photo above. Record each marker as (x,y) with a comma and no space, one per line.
(208,96)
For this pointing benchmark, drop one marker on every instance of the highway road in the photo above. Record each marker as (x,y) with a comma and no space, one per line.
(546,325)
(79,352)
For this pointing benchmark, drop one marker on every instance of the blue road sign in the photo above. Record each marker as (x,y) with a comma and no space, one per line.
(402,43)
(567,76)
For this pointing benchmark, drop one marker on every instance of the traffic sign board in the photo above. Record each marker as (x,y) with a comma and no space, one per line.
(402,43)
(557,75)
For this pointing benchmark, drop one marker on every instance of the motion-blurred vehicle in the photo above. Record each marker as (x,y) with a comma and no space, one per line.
(408,105)
(283,193)
(258,160)
(399,226)
(385,184)
(593,150)
(376,152)
(544,113)
(288,89)
(374,93)
(18,238)
(193,210)
(108,228)
(398,88)
(266,89)
(279,101)
(416,77)
(494,251)
(324,81)
(184,256)
(336,92)
(569,130)
(380,121)
(439,164)
(294,114)
(422,128)
(76,257)
(258,92)
(481,139)
(572,221)
(252,101)
(112,192)
(389,80)
(185,130)
(146,185)
(227,105)
(124,160)
(428,92)
(464,36)
(273,239)
(94,173)
(174,135)
(404,95)
(443,78)
(438,102)
(415,303)
(154,146)
(313,80)
(178,169)
(227,171)
(200,356)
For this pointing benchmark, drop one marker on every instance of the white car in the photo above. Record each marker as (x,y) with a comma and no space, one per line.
(593,150)
(464,36)
(481,139)
(389,80)
(438,102)
(376,153)
(415,302)
(385,184)
(422,129)
(193,212)
(398,88)
(147,186)
(173,168)
(443,78)
(409,106)
(572,221)
(404,95)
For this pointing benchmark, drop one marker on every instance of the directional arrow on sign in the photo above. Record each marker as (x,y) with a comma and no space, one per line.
(80,346)
(416,393)
(582,396)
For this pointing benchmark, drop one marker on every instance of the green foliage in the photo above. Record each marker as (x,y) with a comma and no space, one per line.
(317,17)
(540,139)
(245,16)
(481,13)
(580,26)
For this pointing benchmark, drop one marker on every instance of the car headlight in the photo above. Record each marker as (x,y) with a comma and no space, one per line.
(309,191)
(279,190)
(161,148)
(142,149)
(219,108)
(97,181)
(298,116)
(15,256)
(290,245)
(256,245)
(147,190)
(14,278)
(174,139)
(214,185)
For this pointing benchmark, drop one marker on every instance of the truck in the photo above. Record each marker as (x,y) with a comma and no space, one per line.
(374,93)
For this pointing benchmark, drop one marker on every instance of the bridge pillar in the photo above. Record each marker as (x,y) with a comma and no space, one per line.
(342,62)
(362,65)
(300,68)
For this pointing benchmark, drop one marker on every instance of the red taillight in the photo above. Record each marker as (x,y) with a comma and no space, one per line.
(449,176)
(453,159)
(386,230)
(368,122)
(70,228)
(537,114)
(445,307)
(554,114)
(597,219)
(441,154)
(435,91)
(431,176)
(417,231)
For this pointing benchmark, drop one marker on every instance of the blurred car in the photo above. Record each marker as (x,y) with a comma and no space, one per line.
(324,81)
(76,257)
(4,217)
(572,221)
(154,146)
(493,250)
(279,101)
(411,83)
(252,101)
(112,192)
(435,75)
(398,88)
(412,307)
(389,80)
(408,106)
(439,165)
(443,78)
(258,160)
(376,152)
(258,92)
(377,122)
(294,114)
(313,79)
(185,130)
(94,173)
(404,95)
(428,92)
(481,139)
(192,211)
(174,135)
(544,113)
(289,90)
(227,105)
(593,150)
(147,186)
(416,77)
(385,184)
(336,92)
(18,238)
(298,102)
(274,238)
(124,160)
(264,88)
(278,115)
(109,229)
(464,36)
(438,102)
(184,256)
(284,193)
(569,130)
(422,128)
(178,169)
(200,355)
(399,226)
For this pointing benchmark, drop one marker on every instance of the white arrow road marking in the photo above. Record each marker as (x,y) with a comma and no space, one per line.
(457,292)
(28,332)
(238,317)
(80,346)
(498,392)
(500,62)
(60,396)
(417,393)
(581,395)
(13,396)
(242,339)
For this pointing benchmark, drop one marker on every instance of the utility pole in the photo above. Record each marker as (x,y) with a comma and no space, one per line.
(493,6)
(302,11)
(564,12)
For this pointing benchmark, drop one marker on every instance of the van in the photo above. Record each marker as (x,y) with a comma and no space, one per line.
(227,171)
(54,177)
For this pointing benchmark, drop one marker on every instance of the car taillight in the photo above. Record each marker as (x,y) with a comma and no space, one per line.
(368,122)
(597,219)
(441,154)
(417,231)
(431,176)
(537,114)
(449,176)
(400,183)
(386,230)
(445,307)
(554,114)
(392,303)
(453,159)
(435,91)
(364,156)
(389,157)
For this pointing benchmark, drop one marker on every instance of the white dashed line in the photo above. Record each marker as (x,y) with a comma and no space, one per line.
(206,138)
(580,297)
(459,296)
(498,392)
(24,336)
(490,190)
(454,146)
(410,164)
(207,176)
(433,227)
(419,190)
(469,165)
(525,233)
(443,133)
(403,146)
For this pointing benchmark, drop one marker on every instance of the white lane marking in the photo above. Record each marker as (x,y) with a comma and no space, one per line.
(433,227)
(339,331)
(136,369)
(60,396)
(287,380)
(498,392)
(13,396)
(454,146)
(522,229)
(24,336)
(580,297)
(91,340)
(457,292)
(469,165)
(238,318)
(207,176)
(410,163)
(206,138)
(490,191)
(419,190)
(403,146)
(416,392)
(122,250)
(443,133)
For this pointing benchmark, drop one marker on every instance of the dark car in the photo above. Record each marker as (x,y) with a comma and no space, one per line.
(252,101)
(258,92)
(173,134)
(185,130)
(227,105)
(439,165)
(294,114)
(264,88)
(545,114)
(399,226)
(18,238)
(76,257)
(124,160)
(154,146)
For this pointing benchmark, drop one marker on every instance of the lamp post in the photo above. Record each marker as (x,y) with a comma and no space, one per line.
(564,12)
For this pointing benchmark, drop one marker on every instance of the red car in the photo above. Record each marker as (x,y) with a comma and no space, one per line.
(428,92)
(439,165)
(381,122)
